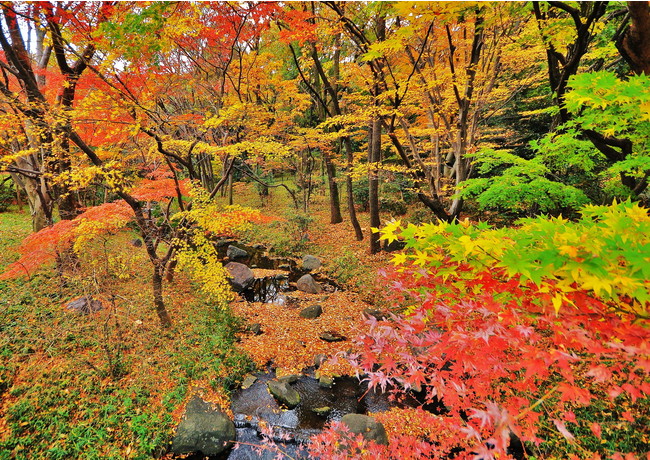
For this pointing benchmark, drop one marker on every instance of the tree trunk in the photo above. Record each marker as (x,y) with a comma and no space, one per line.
(634,44)
(39,202)
(335,201)
(157,285)
(374,151)
(358,233)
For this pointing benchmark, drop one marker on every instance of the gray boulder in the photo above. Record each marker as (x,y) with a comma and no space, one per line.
(241,276)
(235,253)
(85,305)
(310,262)
(312,312)
(203,430)
(307,284)
(283,393)
(368,427)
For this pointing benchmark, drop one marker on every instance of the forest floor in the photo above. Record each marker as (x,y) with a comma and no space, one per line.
(113,384)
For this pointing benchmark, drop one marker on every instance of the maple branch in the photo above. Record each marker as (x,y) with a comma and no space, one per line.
(307,83)
(223,179)
(25,172)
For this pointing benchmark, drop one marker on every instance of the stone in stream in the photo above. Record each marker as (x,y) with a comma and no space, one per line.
(310,262)
(248,382)
(291,378)
(203,430)
(307,284)
(312,312)
(326,381)
(322,411)
(235,253)
(283,393)
(241,277)
(366,426)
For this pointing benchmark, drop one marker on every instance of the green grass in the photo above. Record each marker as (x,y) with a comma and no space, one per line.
(105,386)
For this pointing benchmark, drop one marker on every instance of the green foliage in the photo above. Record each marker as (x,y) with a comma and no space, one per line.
(605,252)
(521,186)
(568,171)
(286,237)
(7,195)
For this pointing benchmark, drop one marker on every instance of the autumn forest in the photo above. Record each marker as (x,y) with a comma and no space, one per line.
(331,230)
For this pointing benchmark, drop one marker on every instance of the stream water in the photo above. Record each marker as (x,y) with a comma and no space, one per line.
(255,405)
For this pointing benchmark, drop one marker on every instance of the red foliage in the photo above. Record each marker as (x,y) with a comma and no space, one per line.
(159,190)
(46,245)
(497,356)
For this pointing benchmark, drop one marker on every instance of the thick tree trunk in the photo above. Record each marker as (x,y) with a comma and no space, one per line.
(634,44)
(38,200)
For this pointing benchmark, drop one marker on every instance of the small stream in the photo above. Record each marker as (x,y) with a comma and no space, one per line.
(255,405)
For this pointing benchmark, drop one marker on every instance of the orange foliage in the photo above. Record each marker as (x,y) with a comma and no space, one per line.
(47,244)
(159,189)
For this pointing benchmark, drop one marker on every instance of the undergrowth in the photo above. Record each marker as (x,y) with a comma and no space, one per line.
(111,384)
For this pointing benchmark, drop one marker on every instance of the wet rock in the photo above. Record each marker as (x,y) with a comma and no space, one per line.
(283,393)
(312,312)
(203,430)
(248,382)
(307,284)
(368,427)
(332,336)
(85,305)
(310,262)
(291,378)
(235,253)
(241,277)
(322,411)
(326,381)
(319,359)
(259,247)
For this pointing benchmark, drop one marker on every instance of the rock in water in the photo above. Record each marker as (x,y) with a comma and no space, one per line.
(310,262)
(368,427)
(283,393)
(307,284)
(241,277)
(84,305)
(203,430)
(312,312)
(235,253)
